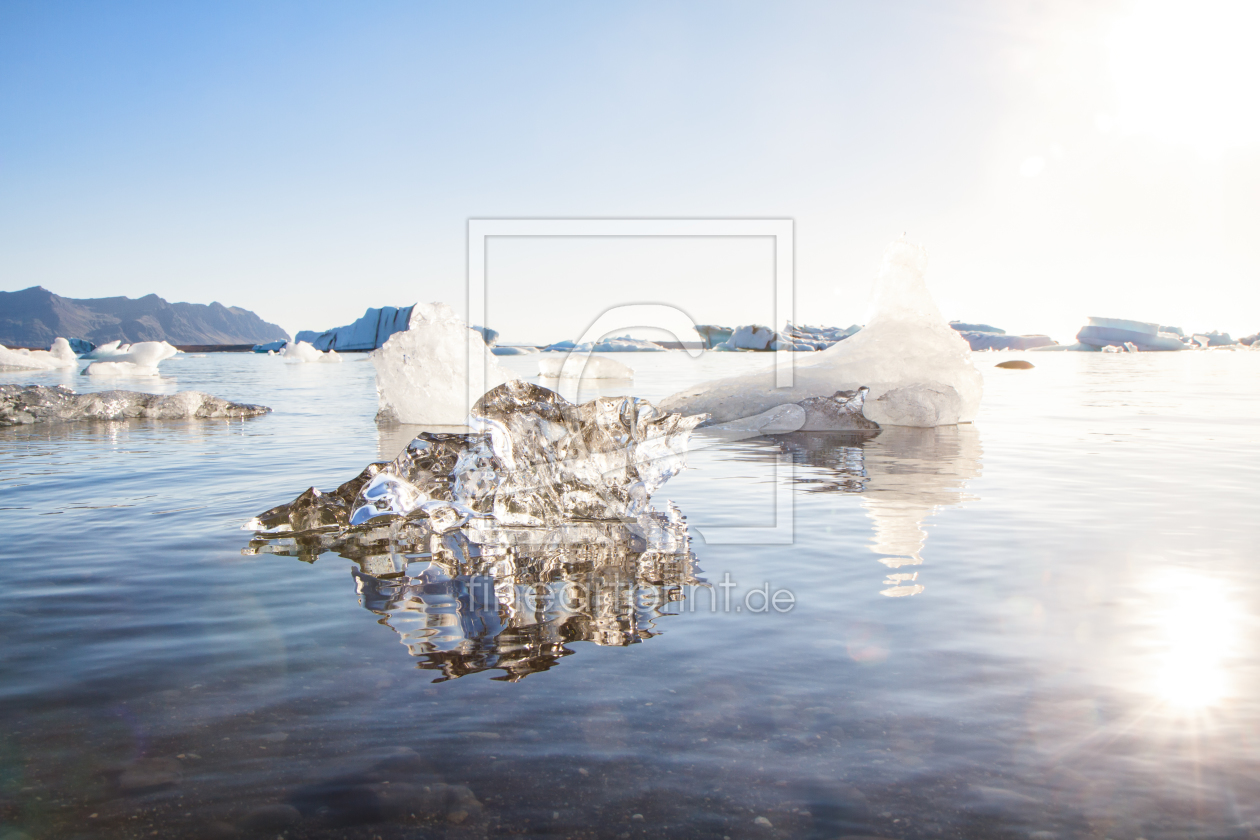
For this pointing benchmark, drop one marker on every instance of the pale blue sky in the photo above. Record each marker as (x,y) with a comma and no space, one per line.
(308,160)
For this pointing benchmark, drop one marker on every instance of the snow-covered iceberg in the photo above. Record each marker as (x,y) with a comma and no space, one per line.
(918,369)
(140,359)
(59,356)
(22,405)
(423,374)
(303,352)
(536,460)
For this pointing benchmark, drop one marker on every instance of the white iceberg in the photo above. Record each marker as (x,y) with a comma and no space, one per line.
(60,356)
(304,352)
(578,366)
(427,374)
(141,359)
(917,367)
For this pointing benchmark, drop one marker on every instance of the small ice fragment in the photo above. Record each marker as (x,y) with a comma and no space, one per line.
(304,352)
(578,366)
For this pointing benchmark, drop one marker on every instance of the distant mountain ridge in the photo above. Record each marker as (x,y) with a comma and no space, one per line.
(34,317)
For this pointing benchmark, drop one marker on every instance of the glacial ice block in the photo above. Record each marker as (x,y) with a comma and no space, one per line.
(23,405)
(917,367)
(60,356)
(423,373)
(537,460)
(141,359)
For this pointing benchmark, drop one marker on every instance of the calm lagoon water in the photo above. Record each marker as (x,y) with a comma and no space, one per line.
(1040,625)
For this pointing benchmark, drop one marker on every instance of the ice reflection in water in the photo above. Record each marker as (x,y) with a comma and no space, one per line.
(512,598)
(905,475)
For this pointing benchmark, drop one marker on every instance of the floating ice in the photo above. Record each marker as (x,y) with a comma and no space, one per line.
(507,350)
(624,344)
(22,405)
(423,374)
(579,366)
(141,359)
(60,356)
(303,352)
(918,369)
(538,460)
(108,350)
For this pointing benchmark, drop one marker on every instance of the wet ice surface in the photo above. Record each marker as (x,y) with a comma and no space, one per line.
(1080,658)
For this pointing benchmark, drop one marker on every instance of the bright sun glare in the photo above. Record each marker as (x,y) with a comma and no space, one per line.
(1199,629)
(1188,72)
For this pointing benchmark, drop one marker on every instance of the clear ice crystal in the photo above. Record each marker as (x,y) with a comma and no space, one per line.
(906,347)
(537,460)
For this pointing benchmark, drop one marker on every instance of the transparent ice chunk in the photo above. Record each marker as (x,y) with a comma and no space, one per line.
(535,460)
(26,404)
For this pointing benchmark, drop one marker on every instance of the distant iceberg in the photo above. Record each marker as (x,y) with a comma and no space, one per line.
(1116,332)
(624,344)
(368,333)
(919,370)
(60,356)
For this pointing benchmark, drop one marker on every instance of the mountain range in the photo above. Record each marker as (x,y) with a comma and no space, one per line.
(34,317)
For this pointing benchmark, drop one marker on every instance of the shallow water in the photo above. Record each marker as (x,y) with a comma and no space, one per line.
(1043,622)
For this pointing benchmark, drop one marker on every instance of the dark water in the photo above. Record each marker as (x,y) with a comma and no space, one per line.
(1040,625)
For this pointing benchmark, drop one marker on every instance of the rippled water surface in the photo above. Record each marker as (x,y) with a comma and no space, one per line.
(1042,622)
